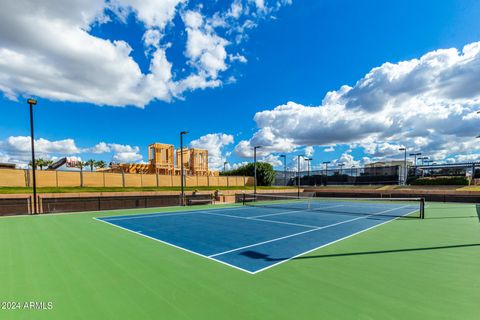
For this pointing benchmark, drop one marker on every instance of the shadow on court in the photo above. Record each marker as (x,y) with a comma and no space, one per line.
(258,255)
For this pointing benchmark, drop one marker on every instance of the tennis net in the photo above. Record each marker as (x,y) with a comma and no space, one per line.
(395,207)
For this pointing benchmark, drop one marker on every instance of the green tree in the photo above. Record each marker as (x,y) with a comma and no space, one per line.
(48,163)
(81,165)
(91,163)
(40,163)
(265,173)
(100,164)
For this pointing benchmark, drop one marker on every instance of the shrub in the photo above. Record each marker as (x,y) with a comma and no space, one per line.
(442,181)
(265,173)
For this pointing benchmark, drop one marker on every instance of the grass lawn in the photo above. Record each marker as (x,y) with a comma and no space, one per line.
(18,190)
(405,269)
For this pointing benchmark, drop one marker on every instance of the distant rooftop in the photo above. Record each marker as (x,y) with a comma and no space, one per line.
(7,165)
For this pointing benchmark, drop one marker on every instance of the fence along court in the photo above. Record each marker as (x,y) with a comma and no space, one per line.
(23,178)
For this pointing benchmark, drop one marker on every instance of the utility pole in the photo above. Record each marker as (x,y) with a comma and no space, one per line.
(182,167)
(255,168)
(33,102)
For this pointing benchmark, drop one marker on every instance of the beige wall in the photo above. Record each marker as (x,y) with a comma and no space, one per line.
(18,178)
(13,178)
(202,181)
(46,178)
(68,178)
(164,181)
(92,179)
(113,180)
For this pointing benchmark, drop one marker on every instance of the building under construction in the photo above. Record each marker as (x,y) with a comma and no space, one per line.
(165,160)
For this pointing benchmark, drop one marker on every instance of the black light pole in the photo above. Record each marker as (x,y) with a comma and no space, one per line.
(308,165)
(224,166)
(415,157)
(298,176)
(255,168)
(341,167)
(284,168)
(405,171)
(326,171)
(182,167)
(415,161)
(33,102)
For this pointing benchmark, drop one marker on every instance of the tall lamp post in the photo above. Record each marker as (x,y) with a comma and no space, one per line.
(415,160)
(298,174)
(33,102)
(224,166)
(308,165)
(415,157)
(255,168)
(182,167)
(341,165)
(284,168)
(405,171)
(326,171)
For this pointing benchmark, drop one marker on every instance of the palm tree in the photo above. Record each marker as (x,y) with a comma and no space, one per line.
(48,163)
(30,164)
(100,164)
(40,163)
(91,163)
(81,165)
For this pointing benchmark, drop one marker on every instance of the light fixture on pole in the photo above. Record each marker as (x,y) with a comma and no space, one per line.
(224,166)
(298,174)
(326,171)
(308,165)
(284,168)
(33,102)
(255,168)
(341,165)
(405,170)
(415,157)
(182,168)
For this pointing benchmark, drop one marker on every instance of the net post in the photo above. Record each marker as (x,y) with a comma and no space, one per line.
(422,208)
(243,198)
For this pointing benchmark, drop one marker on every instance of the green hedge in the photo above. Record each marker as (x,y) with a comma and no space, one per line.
(442,181)
(265,173)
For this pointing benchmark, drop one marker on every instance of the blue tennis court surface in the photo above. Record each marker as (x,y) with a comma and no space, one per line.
(255,238)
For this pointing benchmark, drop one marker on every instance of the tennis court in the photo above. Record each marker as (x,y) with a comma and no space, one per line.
(267,230)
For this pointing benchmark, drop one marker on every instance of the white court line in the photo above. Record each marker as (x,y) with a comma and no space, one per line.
(165,214)
(175,246)
(250,219)
(332,242)
(270,266)
(304,210)
(303,232)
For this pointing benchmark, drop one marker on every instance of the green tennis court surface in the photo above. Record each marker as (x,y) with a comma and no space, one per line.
(405,269)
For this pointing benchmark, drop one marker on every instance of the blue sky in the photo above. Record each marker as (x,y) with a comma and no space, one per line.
(97,102)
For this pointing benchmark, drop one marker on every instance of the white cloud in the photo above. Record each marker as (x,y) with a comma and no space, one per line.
(47,50)
(127,157)
(329,149)
(237,57)
(309,151)
(205,49)
(269,142)
(215,143)
(16,149)
(20,145)
(274,160)
(427,104)
(101,147)
(347,159)
(152,13)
